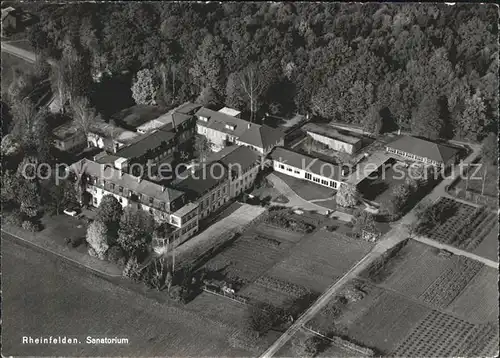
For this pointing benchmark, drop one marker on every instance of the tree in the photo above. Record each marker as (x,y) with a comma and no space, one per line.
(61,195)
(347,195)
(208,98)
(364,221)
(136,228)
(490,149)
(9,192)
(110,210)
(259,319)
(203,147)
(372,121)
(473,119)
(144,88)
(401,194)
(425,120)
(29,197)
(253,82)
(97,239)
(84,116)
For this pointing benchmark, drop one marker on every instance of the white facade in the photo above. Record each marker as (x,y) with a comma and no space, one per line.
(217,138)
(413,156)
(302,174)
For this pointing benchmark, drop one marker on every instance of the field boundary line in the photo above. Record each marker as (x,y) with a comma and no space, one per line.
(313,309)
(232,299)
(354,347)
(59,255)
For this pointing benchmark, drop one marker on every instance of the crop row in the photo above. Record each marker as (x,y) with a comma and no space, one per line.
(438,335)
(479,339)
(267,241)
(481,232)
(282,286)
(449,285)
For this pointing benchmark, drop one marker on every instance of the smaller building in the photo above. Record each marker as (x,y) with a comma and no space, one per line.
(333,138)
(424,151)
(109,137)
(68,138)
(230,112)
(262,138)
(301,166)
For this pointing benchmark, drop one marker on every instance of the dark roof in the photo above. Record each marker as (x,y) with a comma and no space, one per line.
(188,108)
(240,158)
(261,136)
(125,180)
(302,161)
(330,132)
(203,180)
(218,121)
(66,131)
(144,143)
(424,148)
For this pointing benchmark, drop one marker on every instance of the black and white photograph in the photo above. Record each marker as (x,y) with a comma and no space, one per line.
(249,179)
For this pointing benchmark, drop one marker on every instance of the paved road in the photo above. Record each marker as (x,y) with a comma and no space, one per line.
(397,234)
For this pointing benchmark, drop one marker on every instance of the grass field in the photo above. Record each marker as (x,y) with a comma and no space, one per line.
(44,296)
(478,302)
(306,189)
(318,260)
(488,247)
(476,185)
(379,185)
(387,321)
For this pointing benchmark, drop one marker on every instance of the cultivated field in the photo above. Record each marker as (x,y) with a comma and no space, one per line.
(386,322)
(442,335)
(488,246)
(466,226)
(478,302)
(318,260)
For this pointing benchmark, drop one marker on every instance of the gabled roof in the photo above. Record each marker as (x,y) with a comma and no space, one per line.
(424,148)
(218,121)
(242,158)
(261,136)
(125,180)
(142,144)
(307,163)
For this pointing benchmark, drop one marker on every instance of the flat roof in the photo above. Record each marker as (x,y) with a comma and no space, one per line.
(330,132)
(229,111)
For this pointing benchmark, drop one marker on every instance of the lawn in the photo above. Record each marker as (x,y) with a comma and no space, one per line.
(319,260)
(379,185)
(306,189)
(44,296)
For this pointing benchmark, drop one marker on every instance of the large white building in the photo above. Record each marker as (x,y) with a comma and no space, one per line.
(167,205)
(308,168)
(222,129)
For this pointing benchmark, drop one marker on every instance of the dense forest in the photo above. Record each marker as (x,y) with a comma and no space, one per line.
(425,68)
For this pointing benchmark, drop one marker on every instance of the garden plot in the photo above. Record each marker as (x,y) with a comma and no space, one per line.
(414,268)
(451,282)
(219,308)
(386,322)
(478,302)
(488,237)
(278,233)
(442,335)
(248,257)
(318,260)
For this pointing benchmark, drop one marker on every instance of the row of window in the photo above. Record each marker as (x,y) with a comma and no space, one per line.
(290,169)
(411,156)
(331,183)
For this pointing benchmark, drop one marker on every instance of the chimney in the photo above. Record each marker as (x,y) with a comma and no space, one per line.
(163,189)
(139,179)
(120,174)
(249,125)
